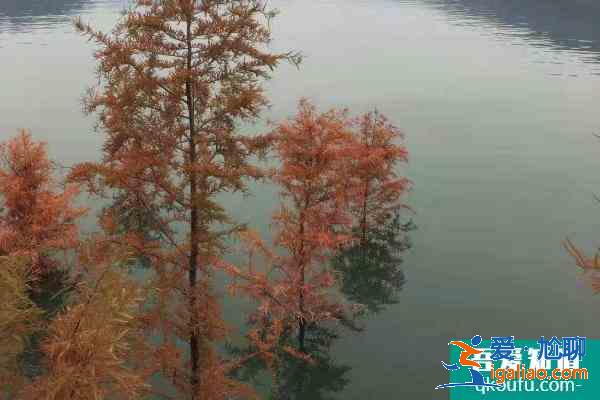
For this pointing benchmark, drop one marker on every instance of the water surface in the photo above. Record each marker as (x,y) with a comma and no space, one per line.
(498,100)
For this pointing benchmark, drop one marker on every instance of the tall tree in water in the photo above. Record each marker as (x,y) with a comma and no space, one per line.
(378,186)
(369,270)
(340,201)
(37,221)
(313,222)
(178,76)
(37,217)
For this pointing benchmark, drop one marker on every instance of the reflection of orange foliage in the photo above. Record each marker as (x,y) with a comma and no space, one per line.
(467,352)
(590,266)
(37,217)
(336,174)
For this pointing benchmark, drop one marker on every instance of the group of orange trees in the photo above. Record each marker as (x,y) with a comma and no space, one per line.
(177,79)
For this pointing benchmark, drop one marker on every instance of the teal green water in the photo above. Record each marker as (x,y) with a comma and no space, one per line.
(498,100)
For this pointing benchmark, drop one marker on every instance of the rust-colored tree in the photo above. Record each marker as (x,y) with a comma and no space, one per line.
(341,191)
(314,221)
(19,318)
(369,270)
(378,185)
(37,223)
(92,348)
(178,77)
(37,218)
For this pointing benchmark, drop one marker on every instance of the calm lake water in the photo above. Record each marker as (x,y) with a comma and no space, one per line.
(499,102)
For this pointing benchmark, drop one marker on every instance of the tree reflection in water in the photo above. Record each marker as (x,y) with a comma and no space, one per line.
(370,274)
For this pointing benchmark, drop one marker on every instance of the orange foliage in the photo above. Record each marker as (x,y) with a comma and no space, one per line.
(93,348)
(313,222)
(19,318)
(336,174)
(378,185)
(315,150)
(36,218)
(178,77)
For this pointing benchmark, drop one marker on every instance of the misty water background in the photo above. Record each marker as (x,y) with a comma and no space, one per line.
(499,100)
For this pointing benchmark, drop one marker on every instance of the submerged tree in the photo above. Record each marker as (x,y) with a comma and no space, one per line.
(313,222)
(340,196)
(369,269)
(178,76)
(37,218)
(378,186)
(37,221)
